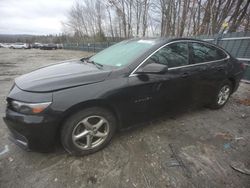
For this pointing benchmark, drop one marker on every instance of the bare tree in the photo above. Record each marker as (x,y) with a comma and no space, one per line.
(128,18)
(145,17)
(238,14)
(138,13)
(108,7)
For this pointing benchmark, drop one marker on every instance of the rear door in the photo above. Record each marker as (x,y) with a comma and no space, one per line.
(210,69)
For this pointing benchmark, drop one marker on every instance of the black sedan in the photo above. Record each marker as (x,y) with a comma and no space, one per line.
(84,102)
(48,46)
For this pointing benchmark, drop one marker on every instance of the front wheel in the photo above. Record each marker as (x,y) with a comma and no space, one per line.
(222,95)
(88,131)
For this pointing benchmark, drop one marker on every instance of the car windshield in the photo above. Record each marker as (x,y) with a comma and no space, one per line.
(122,53)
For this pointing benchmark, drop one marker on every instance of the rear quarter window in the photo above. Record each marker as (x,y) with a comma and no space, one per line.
(204,53)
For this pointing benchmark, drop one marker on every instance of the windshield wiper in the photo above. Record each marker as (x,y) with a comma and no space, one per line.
(95,63)
(98,65)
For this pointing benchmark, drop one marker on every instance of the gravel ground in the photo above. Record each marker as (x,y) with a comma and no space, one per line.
(191,149)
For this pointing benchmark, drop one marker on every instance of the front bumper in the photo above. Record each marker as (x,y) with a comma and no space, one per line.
(32,132)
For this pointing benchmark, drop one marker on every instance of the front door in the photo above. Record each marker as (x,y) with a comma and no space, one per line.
(157,91)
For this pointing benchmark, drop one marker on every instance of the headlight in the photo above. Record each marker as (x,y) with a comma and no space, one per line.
(29,108)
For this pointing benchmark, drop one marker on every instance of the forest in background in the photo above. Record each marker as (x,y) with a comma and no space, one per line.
(116,20)
(100,19)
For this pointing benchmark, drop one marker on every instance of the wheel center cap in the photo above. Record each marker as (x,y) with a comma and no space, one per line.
(92,132)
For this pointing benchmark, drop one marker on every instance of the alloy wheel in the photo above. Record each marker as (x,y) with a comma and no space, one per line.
(90,132)
(223,95)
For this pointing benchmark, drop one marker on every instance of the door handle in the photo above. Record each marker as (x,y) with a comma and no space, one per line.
(204,68)
(220,68)
(185,75)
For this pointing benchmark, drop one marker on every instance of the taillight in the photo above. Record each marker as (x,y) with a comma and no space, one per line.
(242,66)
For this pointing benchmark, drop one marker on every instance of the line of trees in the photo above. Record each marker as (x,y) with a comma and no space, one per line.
(101,19)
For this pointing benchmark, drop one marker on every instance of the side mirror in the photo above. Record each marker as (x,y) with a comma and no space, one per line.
(153,68)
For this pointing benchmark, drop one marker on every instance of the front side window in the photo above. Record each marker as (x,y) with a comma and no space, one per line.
(173,55)
(204,53)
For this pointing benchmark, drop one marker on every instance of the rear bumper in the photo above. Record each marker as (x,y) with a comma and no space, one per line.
(237,78)
(30,132)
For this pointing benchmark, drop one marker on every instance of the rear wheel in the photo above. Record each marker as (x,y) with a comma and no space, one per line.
(88,131)
(222,95)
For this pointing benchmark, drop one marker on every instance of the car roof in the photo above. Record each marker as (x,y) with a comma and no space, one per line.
(189,39)
(163,40)
(159,41)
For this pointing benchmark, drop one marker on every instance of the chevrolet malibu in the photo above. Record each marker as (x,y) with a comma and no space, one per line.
(82,103)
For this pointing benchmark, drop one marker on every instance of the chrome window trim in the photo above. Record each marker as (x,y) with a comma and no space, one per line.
(243,59)
(133,73)
(231,38)
(198,64)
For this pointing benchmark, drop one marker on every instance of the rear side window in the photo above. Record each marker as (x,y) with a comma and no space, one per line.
(204,53)
(173,55)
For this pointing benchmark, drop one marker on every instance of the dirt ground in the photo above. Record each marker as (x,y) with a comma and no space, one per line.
(191,149)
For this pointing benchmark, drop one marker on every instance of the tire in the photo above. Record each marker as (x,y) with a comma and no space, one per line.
(76,135)
(217,102)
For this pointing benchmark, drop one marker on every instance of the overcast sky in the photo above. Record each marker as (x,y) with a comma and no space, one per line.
(33,16)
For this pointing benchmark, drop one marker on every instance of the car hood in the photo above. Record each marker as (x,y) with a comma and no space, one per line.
(61,76)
